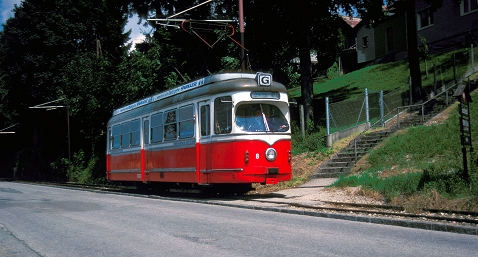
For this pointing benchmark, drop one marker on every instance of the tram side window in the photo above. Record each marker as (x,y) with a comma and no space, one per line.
(134,128)
(186,121)
(205,121)
(146,132)
(157,128)
(223,115)
(125,135)
(170,127)
(116,137)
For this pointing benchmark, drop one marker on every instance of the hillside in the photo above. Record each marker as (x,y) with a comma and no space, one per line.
(416,167)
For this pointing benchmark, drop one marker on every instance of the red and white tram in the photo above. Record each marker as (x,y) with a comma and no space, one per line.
(224,129)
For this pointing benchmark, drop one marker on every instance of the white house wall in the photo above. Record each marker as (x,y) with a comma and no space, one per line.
(367,53)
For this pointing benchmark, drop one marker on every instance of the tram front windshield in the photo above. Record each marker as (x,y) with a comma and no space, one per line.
(260,118)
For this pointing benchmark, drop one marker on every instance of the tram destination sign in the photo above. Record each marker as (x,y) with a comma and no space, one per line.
(160,96)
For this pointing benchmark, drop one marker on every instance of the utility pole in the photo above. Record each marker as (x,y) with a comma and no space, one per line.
(241,31)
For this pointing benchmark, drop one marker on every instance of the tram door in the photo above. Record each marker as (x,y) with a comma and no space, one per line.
(205,159)
(145,151)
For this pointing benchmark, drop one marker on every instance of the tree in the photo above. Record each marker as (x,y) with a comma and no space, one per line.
(60,49)
(276,32)
(424,52)
(185,50)
(285,31)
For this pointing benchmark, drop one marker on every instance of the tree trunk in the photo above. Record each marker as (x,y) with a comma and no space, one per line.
(413,57)
(305,69)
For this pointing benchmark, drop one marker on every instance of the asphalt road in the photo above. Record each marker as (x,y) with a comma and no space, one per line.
(46,221)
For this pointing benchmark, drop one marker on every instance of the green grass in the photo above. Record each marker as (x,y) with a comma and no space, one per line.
(422,163)
(389,76)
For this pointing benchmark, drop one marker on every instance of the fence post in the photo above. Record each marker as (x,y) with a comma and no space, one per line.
(446,94)
(454,68)
(435,79)
(302,123)
(472,59)
(398,117)
(367,115)
(410,86)
(423,113)
(327,117)
(381,103)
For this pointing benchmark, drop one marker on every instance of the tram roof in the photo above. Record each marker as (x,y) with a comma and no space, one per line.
(263,82)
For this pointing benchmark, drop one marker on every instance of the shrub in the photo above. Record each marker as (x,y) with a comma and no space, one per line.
(445,178)
(79,170)
(314,140)
(390,187)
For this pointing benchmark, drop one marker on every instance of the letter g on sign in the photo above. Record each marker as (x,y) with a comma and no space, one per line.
(264,79)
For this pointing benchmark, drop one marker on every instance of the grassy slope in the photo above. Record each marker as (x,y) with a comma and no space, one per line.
(422,166)
(396,170)
(388,77)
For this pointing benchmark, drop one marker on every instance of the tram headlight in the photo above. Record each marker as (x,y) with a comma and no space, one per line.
(271,154)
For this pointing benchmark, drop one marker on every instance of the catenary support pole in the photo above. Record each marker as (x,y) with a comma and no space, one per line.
(327,117)
(241,32)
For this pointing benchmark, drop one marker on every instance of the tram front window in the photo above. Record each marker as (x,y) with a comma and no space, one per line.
(260,118)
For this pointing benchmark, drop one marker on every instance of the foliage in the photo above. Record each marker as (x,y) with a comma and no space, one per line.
(445,178)
(390,187)
(79,170)
(313,141)
(293,76)
(59,50)
(423,49)
(229,63)
(333,71)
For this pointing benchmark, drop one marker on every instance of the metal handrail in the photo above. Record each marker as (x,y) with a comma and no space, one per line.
(398,114)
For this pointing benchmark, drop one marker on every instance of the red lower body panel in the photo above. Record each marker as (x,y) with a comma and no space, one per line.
(218,162)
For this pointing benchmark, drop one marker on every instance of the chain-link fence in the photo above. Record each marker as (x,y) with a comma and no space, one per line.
(377,107)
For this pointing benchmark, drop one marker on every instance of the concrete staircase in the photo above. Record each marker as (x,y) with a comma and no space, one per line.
(342,163)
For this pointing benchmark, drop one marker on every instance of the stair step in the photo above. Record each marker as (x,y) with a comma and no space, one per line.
(339,164)
(343,159)
(350,153)
(329,174)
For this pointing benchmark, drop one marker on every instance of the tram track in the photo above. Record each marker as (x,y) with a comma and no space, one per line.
(462,217)
(450,217)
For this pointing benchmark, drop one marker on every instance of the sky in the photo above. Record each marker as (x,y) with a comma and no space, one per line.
(6,7)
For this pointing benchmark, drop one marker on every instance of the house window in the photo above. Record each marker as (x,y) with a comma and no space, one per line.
(468,6)
(424,18)
(365,41)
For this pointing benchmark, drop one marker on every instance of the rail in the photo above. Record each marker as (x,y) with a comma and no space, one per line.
(405,109)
